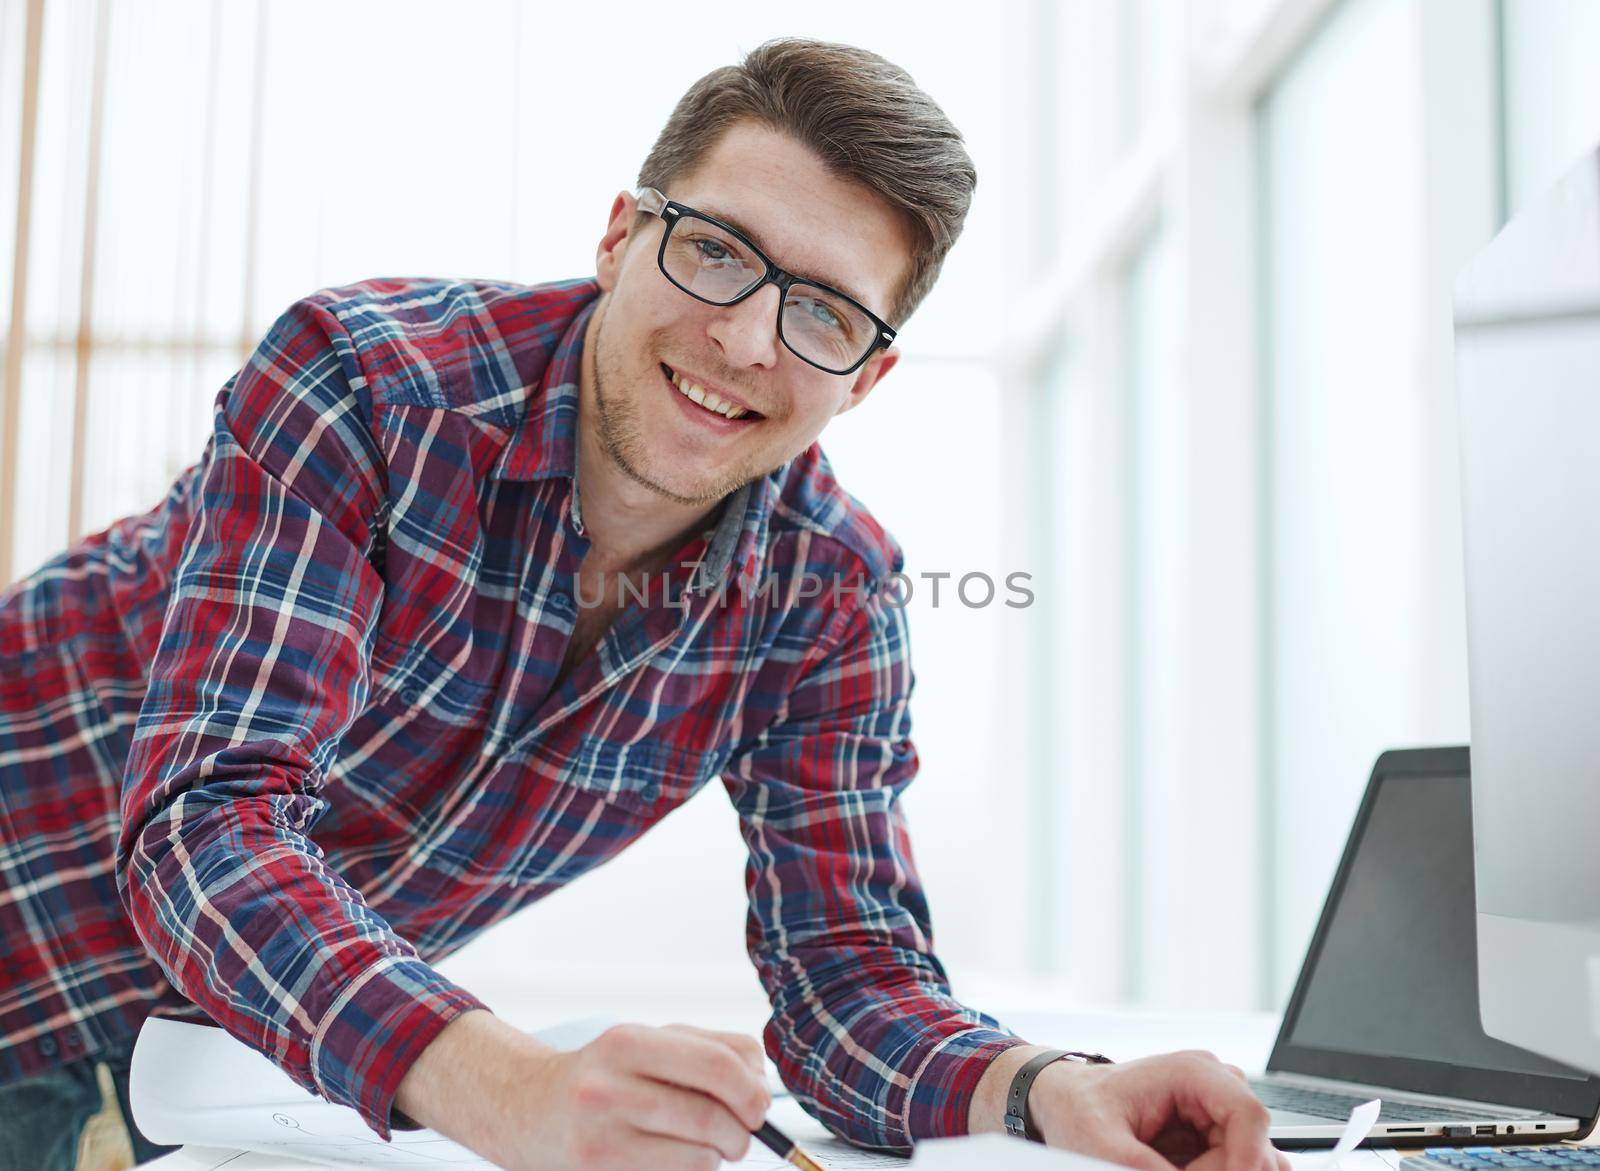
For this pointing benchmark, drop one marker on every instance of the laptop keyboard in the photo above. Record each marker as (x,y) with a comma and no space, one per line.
(1495,1158)
(1337,1107)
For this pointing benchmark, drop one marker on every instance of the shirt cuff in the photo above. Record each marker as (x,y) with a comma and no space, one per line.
(376,1029)
(940,1097)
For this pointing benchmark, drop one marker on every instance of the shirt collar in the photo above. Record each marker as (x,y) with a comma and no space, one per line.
(545,444)
(545,440)
(739,545)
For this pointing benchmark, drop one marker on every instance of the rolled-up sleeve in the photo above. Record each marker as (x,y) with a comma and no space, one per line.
(864,1029)
(261,666)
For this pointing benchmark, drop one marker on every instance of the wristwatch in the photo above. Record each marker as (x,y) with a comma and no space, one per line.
(1018,1121)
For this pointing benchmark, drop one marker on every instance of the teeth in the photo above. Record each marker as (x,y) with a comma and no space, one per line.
(709,400)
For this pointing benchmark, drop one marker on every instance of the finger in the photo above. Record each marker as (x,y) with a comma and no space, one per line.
(669,1154)
(1244,1142)
(1238,1073)
(668,1111)
(696,1063)
(1213,1097)
(1130,1152)
(1210,1161)
(747,1047)
(1179,1143)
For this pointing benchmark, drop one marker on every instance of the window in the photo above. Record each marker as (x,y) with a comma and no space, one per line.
(1551,91)
(1345,436)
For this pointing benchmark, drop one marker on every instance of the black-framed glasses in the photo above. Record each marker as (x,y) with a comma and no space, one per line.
(716,263)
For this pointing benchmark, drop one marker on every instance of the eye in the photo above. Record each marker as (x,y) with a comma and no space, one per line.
(825,315)
(712,250)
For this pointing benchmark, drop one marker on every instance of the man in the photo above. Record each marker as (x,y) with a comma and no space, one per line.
(474,584)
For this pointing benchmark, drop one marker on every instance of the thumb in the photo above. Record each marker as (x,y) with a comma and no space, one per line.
(1130,1152)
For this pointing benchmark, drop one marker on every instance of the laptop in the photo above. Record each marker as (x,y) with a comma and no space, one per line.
(1386,1005)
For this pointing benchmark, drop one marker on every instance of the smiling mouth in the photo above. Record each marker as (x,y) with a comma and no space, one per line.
(707,400)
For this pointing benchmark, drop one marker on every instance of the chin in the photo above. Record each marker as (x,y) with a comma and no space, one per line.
(675,486)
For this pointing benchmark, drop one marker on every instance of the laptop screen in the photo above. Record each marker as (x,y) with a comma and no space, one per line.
(1389,993)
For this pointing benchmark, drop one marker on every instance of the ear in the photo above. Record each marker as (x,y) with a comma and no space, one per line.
(867,377)
(614,244)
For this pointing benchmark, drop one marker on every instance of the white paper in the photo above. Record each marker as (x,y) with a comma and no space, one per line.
(1365,1159)
(998,1152)
(195,1084)
(811,1137)
(216,1159)
(832,1154)
(1362,1120)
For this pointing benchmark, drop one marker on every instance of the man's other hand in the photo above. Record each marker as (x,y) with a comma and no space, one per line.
(676,1098)
(1184,1110)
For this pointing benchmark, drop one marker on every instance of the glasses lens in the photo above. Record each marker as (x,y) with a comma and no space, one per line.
(708,262)
(717,266)
(824,328)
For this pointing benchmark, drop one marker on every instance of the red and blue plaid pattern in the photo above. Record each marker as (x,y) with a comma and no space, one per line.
(278,745)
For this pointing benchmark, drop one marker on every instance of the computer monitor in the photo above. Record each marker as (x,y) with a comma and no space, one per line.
(1527,328)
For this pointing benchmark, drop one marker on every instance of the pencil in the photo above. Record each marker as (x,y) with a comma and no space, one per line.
(784,1147)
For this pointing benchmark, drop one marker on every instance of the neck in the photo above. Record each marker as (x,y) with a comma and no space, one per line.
(630,525)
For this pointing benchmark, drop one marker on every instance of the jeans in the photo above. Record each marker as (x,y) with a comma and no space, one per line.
(42,1118)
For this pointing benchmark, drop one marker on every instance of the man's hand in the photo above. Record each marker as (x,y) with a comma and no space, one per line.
(1178,1110)
(675,1098)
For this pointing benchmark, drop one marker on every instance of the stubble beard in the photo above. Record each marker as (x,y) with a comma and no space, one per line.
(622,437)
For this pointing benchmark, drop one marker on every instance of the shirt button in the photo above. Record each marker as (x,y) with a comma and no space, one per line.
(411,695)
(561,600)
(74,1039)
(48,1046)
(652,790)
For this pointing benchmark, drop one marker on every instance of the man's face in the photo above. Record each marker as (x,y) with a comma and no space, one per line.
(809,222)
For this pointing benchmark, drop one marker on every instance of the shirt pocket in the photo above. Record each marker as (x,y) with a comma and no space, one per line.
(423,722)
(409,678)
(648,778)
(546,817)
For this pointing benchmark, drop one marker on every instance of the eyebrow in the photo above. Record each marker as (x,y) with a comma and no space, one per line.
(805,276)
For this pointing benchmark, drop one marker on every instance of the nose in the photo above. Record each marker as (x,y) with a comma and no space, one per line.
(748,332)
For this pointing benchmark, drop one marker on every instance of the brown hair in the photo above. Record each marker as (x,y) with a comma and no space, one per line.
(862,115)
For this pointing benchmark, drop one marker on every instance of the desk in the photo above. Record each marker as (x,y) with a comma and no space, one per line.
(1242,1039)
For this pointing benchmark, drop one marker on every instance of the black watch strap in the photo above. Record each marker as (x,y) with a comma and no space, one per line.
(1018,1121)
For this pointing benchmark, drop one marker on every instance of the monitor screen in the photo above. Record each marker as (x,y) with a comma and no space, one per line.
(1527,334)
(1397,971)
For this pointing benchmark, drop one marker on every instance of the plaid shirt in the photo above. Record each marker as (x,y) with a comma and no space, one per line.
(275,747)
